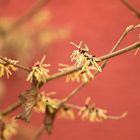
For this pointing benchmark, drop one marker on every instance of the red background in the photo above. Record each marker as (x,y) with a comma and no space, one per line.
(99,23)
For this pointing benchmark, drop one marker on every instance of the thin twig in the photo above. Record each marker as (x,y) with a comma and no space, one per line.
(16,65)
(39,133)
(132,8)
(102,58)
(11,108)
(121,51)
(117,117)
(124,34)
(23,19)
(73,92)
(74,106)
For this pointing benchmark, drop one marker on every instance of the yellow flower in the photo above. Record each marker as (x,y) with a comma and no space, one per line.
(6,67)
(78,76)
(41,103)
(9,129)
(52,104)
(43,99)
(92,113)
(66,113)
(39,72)
(83,58)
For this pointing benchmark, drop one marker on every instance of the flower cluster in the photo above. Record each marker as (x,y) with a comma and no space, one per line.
(7,128)
(39,72)
(79,76)
(83,58)
(66,112)
(92,113)
(6,66)
(43,100)
(41,103)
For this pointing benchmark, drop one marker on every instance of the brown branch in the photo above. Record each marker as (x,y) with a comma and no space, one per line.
(11,108)
(132,8)
(38,133)
(124,34)
(30,13)
(16,65)
(102,58)
(73,92)
(121,51)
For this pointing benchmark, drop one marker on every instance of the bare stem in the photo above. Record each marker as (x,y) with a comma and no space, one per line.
(124,34)
(11,108)
(133,9)
(121,51)
(74,92)
(16,65)
(39,133)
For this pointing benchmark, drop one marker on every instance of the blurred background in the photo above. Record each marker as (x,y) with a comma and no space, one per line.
(99,24)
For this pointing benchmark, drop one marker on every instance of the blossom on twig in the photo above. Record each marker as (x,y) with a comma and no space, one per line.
(42,100)
(66,113)
(83,58)
(95,114)
(79,76)
(41,103)
(39,72)
(8,128)
(6,67)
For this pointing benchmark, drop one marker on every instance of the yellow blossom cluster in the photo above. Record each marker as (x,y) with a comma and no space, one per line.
(83,58)
(79,76)
(41,103)
(44,100)
(92,113)
(9,128)
(6,67)
(39,72)
(66,113)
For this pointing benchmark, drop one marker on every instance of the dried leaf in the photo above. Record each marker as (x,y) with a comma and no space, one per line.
(28,100)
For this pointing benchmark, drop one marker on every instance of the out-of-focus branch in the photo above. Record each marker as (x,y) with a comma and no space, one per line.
(38,133)
(132,8)
(11,108)
(31,12)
